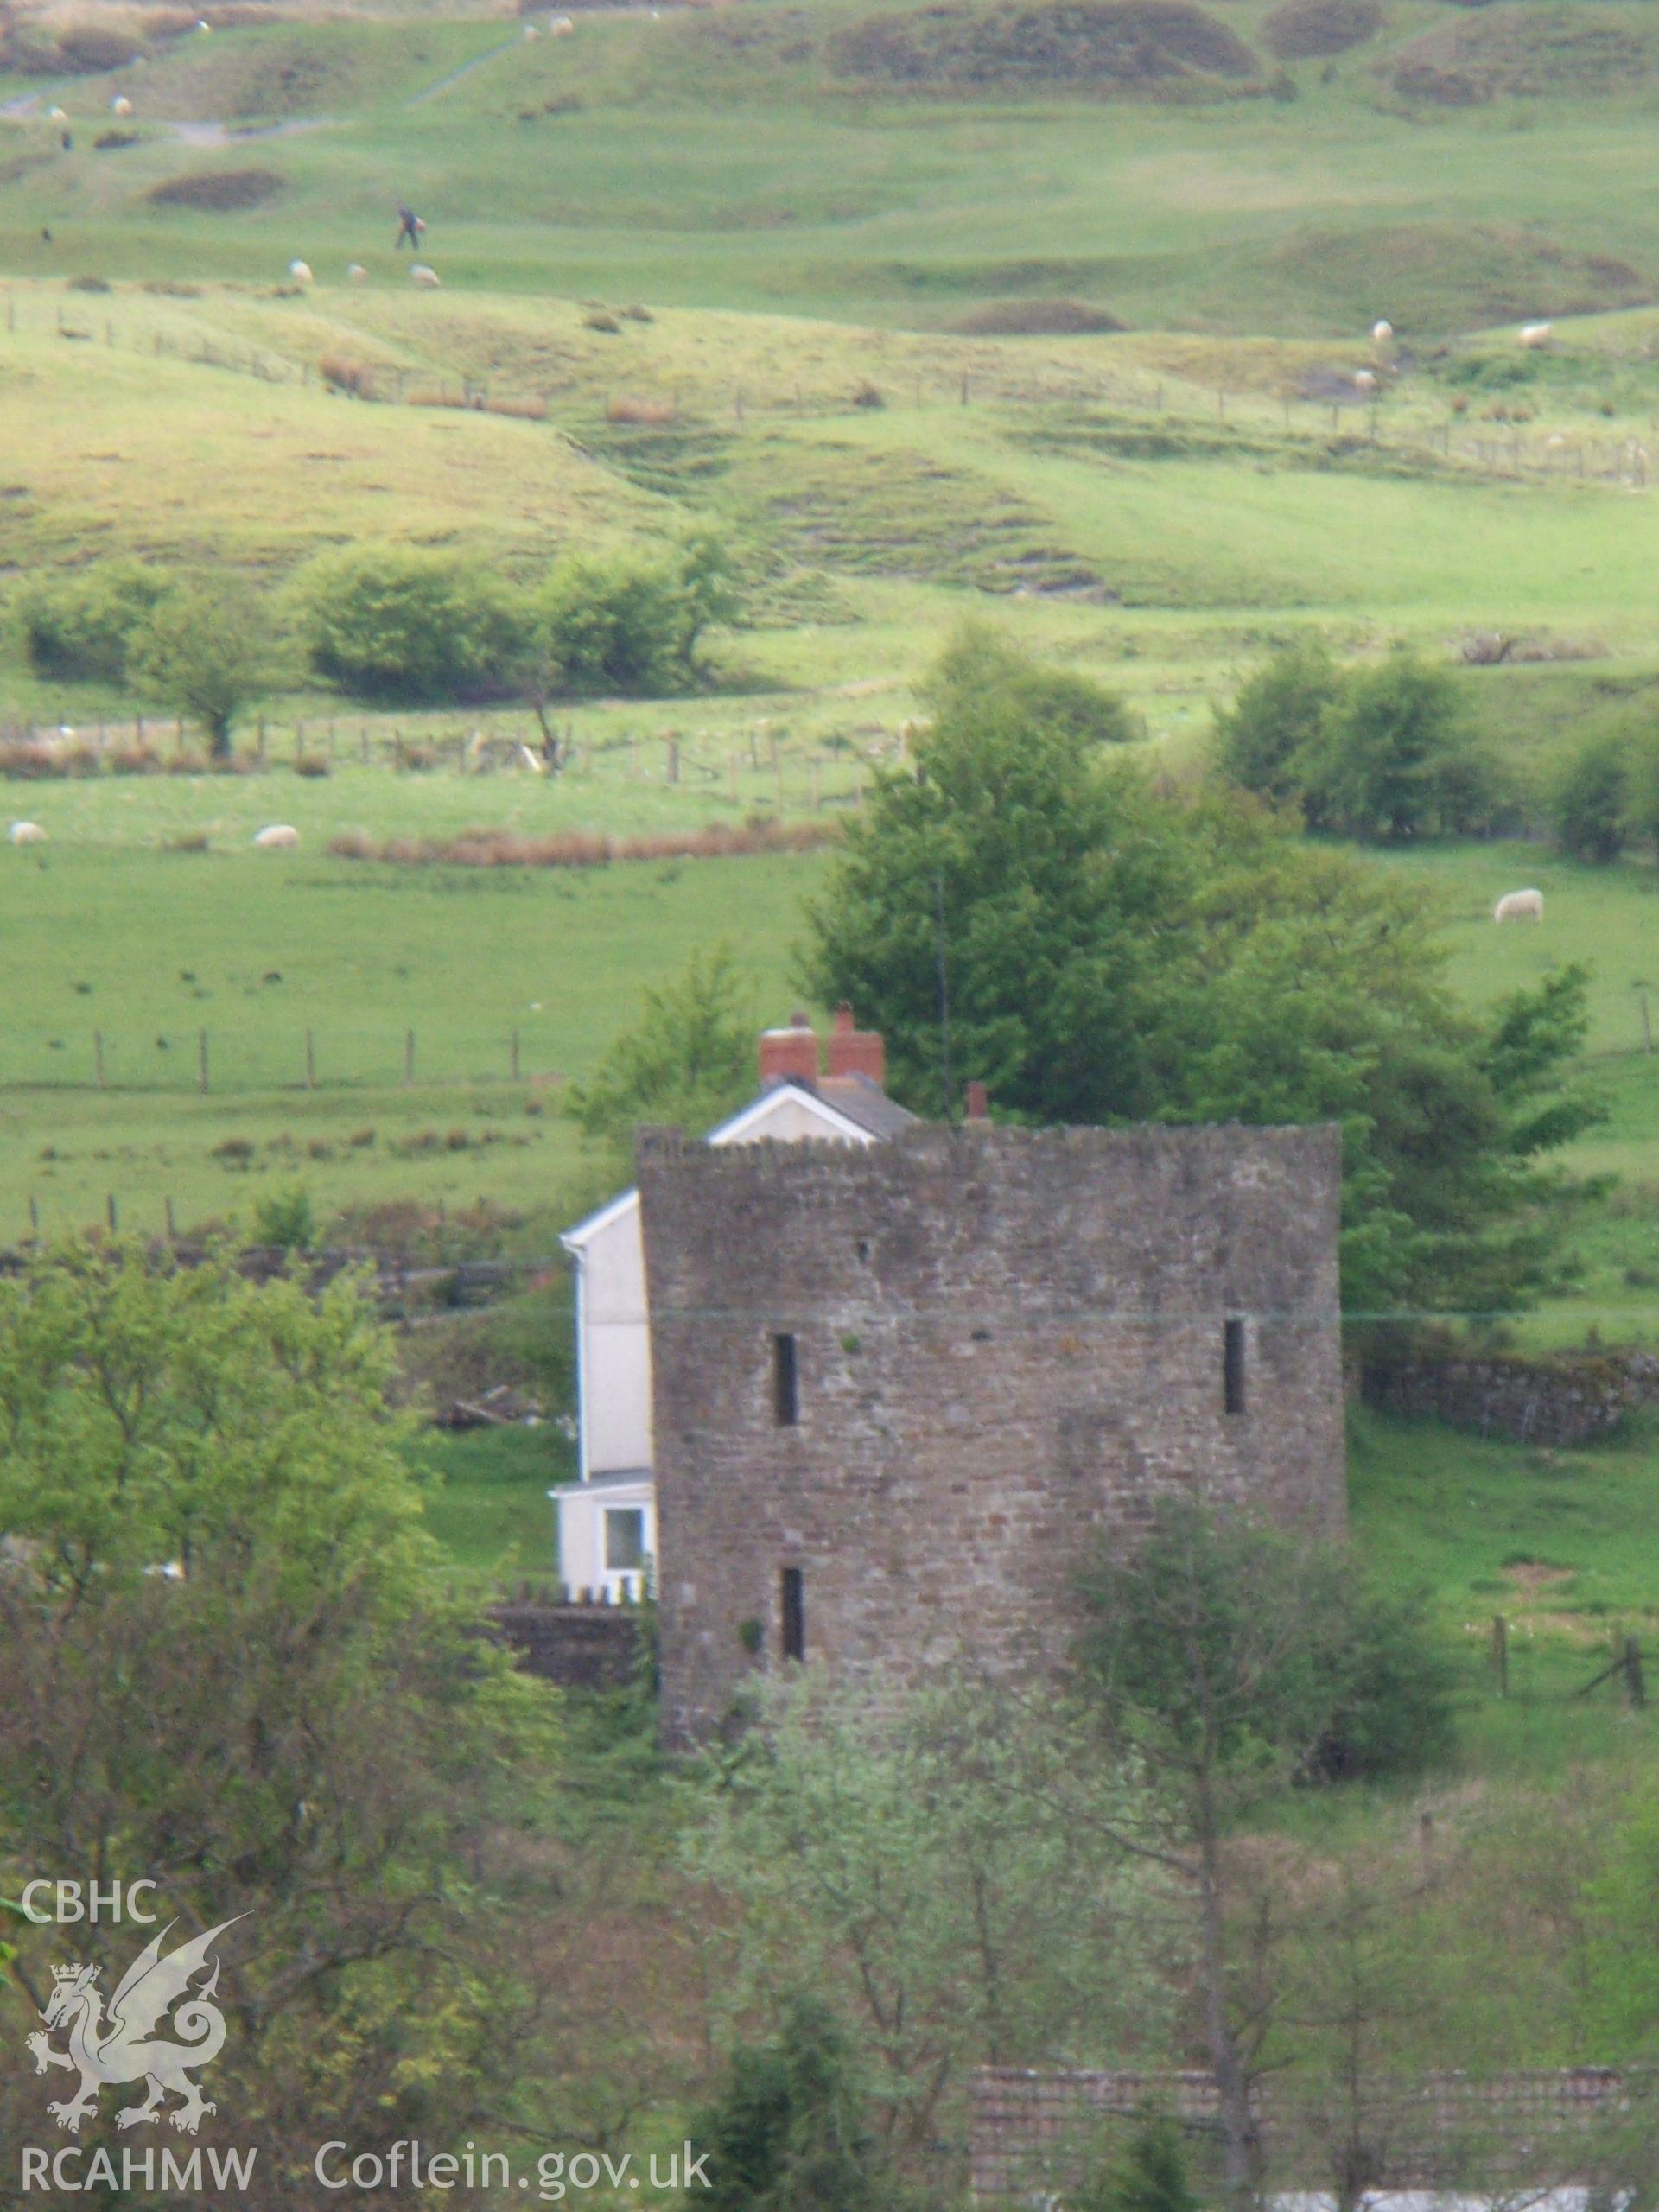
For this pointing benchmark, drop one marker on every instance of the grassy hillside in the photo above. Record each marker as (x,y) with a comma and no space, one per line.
(1448,171)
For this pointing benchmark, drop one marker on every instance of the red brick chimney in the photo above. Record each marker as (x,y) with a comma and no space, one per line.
(790,1053)
(856,1051)
(979,1104)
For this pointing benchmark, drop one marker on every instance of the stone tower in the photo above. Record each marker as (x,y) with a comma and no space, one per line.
(899,1391)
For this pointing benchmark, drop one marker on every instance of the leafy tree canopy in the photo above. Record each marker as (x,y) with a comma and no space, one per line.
(687,1061)
(1112,953)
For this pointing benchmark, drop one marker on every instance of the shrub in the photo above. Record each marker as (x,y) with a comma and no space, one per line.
(1150,2177)
(81,627)
(1264,740)
(388,621)
(1642,803)
(630,623)
(979,663)
(1591,800)
(1395,758)
(287,1220)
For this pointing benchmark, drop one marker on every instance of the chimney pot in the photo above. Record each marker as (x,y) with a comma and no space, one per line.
(979,1104)
(843,1020)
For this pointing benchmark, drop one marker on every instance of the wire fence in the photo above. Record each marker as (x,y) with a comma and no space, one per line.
(1358,410)
(230,1063)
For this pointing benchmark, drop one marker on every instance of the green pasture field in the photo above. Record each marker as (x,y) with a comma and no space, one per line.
(257,949)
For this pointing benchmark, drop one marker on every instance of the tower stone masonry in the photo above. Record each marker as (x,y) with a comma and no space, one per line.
(900,1391)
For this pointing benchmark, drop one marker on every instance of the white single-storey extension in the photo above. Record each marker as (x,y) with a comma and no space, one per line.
(607,1520)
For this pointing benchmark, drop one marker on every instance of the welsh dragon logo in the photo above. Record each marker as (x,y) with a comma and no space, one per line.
(121,2046)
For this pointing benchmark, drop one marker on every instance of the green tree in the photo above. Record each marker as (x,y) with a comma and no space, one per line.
(687,1061)
(204,652)
(979,665)
(789,2134)
(1275,725)
(1591,809)
(1103,953)
(922,1861)
(1149,2176)
(1394,757)
(232,1667)
(1229,1659)
(402,622)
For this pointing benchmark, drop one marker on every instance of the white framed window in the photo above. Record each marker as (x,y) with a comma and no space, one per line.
(624,1539)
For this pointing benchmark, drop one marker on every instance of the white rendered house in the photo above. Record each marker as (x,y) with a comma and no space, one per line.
(607,1520)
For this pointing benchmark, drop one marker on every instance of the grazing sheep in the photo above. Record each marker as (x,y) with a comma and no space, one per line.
(120,105)
(56,115)
(562,27)
(277,838)
(420,274)
(1364,380)
(300,272)
(1382,332)
(1537,334)
(27,833)
(356,273)
(202,23)
(533,30)
(1520,907)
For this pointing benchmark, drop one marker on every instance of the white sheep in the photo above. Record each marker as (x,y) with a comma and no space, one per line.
(120,105)
(1520,907)
(562,27)
(300,272)
(27,833)
(533,30)
(202,23)
(57,115)
(1382,332)
(420,274)
(1536,334)
(277,837)
(1364,380)
(356,273)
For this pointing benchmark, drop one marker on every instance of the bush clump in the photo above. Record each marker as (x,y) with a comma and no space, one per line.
(1607,796)
(1380,753)
(81,627)
(392,622)
(628,623)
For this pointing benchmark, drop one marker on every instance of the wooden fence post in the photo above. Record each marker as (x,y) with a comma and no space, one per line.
(512,1054)
(1636,1688)
(409,1057)
(113,1217)
(1501,1653)
(172,1225)
(201,1061)
(97,1058)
